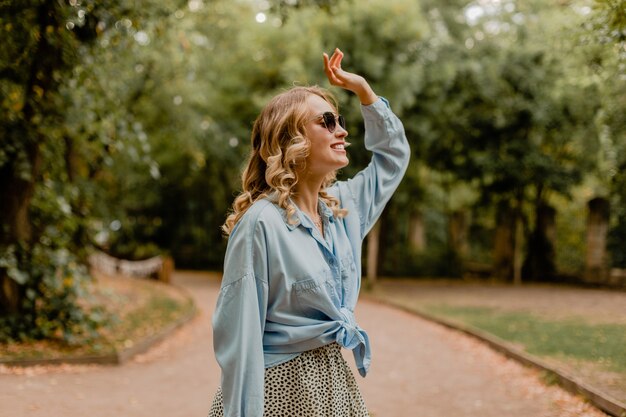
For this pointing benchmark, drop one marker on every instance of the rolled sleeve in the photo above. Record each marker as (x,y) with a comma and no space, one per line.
(372,188)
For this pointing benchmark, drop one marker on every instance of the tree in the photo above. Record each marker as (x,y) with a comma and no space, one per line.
(604,38)
(44,183)
(500,111)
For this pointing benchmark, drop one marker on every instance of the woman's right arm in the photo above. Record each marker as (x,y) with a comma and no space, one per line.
(239,320)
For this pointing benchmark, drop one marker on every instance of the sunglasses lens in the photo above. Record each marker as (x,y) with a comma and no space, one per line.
(342,122)
(329,121)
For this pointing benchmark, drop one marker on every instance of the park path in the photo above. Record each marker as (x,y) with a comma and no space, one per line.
(419,369)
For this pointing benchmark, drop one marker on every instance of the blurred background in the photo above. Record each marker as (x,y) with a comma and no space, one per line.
(124,126)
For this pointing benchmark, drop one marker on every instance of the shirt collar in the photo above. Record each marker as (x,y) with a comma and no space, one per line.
(299,217)
(325,211)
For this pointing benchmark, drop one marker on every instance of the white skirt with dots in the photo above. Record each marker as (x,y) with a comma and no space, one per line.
(317,383)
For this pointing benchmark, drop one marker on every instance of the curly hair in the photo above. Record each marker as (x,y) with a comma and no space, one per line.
(279,150)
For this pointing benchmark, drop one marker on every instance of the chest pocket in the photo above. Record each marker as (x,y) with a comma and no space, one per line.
(316,296)
(349,279)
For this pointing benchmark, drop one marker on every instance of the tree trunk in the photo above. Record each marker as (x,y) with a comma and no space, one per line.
(518,256)
(458,229)
(596,265)
(540,261)
(17,194)
(16,191)
(373,239)
(504,242)
(417,232)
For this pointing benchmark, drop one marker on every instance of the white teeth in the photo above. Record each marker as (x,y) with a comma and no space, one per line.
(338,146)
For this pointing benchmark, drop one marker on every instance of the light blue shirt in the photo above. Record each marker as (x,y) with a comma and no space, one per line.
(286,288)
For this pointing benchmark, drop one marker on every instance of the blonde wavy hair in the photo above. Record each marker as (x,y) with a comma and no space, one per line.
(279,151)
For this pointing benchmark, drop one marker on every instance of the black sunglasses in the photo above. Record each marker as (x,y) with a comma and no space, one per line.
(330,121)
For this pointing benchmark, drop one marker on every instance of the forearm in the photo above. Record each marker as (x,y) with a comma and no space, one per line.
(366,94)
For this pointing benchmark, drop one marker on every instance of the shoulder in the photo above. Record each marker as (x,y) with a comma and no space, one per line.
(261,212)
(339,190)
(248,243)
(258,210)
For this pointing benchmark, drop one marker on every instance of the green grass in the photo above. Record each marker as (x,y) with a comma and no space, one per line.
(602,344)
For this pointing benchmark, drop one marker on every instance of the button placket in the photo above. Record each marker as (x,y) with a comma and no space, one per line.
(335,270)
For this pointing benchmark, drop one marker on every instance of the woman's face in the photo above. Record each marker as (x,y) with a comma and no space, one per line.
(327,149)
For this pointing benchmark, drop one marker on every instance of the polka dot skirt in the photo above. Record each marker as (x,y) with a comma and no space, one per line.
(317,383)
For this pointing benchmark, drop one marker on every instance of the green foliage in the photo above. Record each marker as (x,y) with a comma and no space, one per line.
(610,21)
(502,110)
(196,112)
(141,309)
(54,283)
(125,127)
(53,143)
(603,37)
(498,119)
(502,115)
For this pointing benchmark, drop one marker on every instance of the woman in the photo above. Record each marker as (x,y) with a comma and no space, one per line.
(292,267)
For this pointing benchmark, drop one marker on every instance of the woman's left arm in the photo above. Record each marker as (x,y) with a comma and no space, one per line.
(371,189)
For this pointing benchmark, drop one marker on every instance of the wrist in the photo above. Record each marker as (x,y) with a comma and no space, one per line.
(366,95)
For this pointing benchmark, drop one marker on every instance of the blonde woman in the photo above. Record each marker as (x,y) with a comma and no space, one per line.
(292,268)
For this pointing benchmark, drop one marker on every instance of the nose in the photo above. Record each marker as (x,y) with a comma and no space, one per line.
(340,132)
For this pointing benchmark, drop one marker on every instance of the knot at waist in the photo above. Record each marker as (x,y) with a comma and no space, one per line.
(352,337)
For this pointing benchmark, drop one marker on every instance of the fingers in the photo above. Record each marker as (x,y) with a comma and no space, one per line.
(347,80)
(327,69)
(339,74)
(334,79)
(344,79)
(335,60)
(335,74)
(330,67)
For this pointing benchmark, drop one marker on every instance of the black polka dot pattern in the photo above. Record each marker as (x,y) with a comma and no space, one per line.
(317,383)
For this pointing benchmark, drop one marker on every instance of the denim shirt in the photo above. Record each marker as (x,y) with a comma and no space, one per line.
(286,288)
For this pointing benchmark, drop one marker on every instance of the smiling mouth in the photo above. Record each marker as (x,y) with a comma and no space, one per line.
(340,146)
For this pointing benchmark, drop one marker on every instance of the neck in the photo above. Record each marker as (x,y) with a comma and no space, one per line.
(306,195)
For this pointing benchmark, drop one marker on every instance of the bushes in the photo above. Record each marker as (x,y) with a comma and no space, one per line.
(52,283)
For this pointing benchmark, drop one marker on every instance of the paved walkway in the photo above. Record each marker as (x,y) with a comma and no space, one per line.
(419,369)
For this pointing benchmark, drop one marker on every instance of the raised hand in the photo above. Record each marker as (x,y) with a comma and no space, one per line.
(347,80)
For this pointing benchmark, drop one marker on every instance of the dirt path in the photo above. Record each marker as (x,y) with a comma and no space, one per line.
(419,369)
